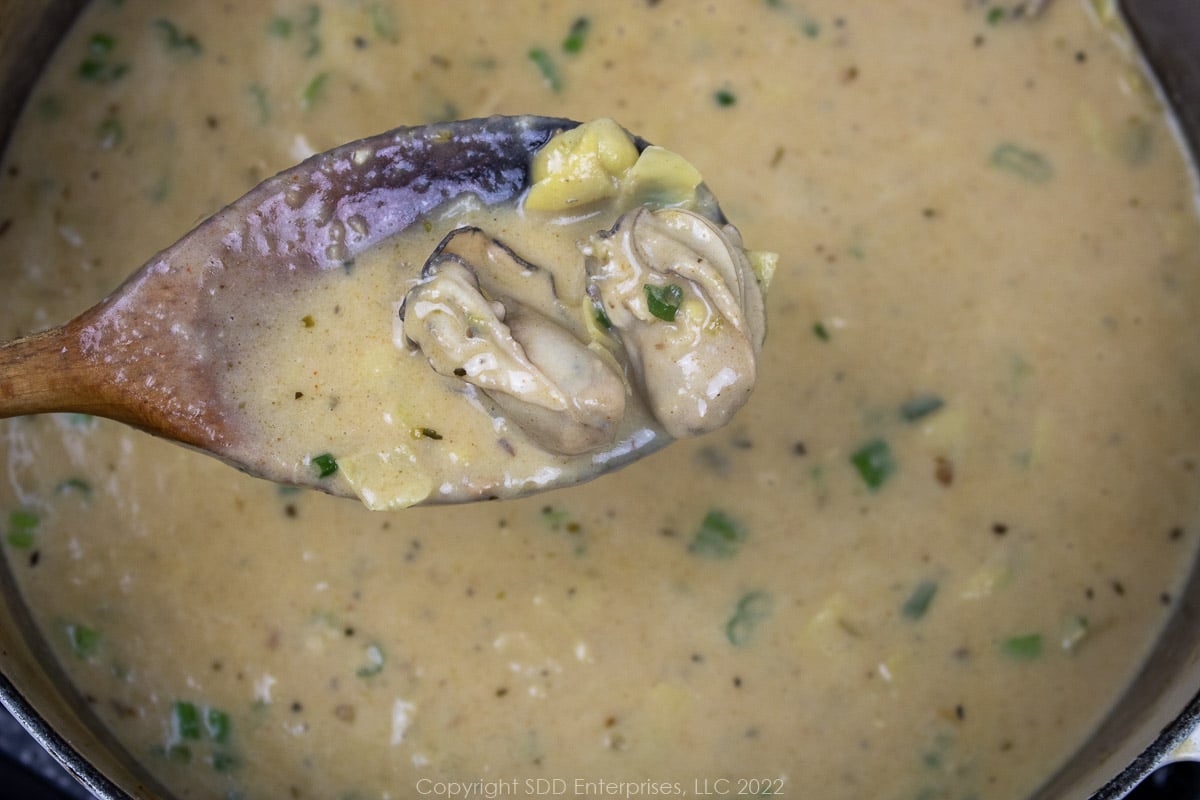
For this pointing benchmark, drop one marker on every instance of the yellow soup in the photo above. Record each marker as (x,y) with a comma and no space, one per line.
(921,562)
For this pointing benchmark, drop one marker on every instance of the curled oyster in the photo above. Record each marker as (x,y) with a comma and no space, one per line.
(682,296)
(561,393)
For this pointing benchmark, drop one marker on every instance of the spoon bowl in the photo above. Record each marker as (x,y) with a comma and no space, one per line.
(148,354)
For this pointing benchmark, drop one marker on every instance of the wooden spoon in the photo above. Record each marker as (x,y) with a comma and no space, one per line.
(143,355)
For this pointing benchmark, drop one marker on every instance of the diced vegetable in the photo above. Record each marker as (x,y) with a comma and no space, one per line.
(919,601)
(920,406)
(176,40)
(663,301)
(1028,164)
(314,90)
(21,526)
(751,610)
(874,463)
(224,762)
(383,22)
(719,536)
(577,35)
(74,485)
(84,641)
(820,331)
(185,721)
(724,98)
(546,66)
(98,66)
(280,26)
(1023,648)
(602,317)
(374,663)
(325,464)
(217,724)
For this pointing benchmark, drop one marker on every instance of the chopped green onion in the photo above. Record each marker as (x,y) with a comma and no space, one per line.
(383,22)
(314,90)
(326,465)
(577,35)
(217,724)
(602,317)
(1023,648)
(724,98)
(280,27)
(920,406)
(224,762)
(375,659)
(85,641)
(74,485)
(261,102)
(101,44)
(918,602)
(21,525)
(1028,164)
(751,609)
(874,463)
(185,721)
(663,301)
(110,133)
(22,540)
(995,15)
(176,40)
(546,66)
(820,331)
(719,536)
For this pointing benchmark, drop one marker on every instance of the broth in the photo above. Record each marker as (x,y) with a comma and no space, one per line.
(920,563)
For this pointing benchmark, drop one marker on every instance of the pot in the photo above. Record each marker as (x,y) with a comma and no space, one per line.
(1155,722)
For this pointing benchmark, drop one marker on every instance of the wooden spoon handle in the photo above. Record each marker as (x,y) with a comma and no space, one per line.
(44,373)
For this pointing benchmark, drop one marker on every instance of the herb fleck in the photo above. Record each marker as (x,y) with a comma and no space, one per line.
(663,301)
(751,609)
(919,601)
(874,463)
(1022,162)
(719,536)
(577,35)
(546,66)
(325,464)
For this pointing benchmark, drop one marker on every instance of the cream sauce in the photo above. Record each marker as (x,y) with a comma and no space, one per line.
(921,562)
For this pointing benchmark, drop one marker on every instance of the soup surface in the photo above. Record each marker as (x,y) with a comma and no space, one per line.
(920,563)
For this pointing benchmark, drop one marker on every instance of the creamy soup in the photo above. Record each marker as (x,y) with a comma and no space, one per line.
(921,562)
